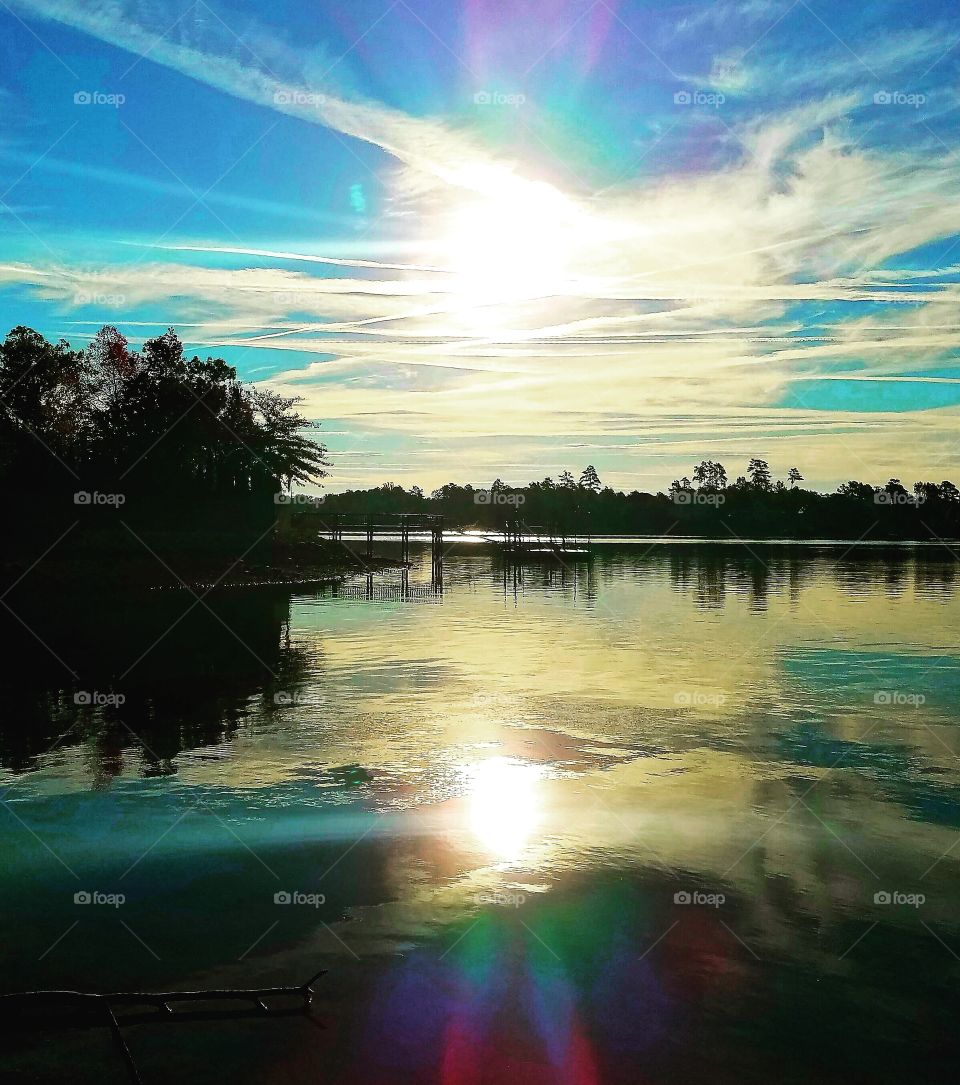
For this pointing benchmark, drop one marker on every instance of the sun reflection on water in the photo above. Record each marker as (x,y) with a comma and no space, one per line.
(505,804)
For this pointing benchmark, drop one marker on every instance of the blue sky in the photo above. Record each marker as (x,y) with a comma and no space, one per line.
(490,240)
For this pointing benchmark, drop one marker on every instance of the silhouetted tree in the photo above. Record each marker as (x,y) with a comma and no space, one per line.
(589,479)
(759,472)
(41,406)
(710,475)
(153,424)
(860,491)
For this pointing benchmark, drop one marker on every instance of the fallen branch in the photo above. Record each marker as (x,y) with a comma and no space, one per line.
(104,1006)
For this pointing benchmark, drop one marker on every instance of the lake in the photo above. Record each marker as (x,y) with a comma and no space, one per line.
(678,813)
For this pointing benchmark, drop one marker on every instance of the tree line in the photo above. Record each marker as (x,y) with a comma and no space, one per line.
(707,503)
(180,443)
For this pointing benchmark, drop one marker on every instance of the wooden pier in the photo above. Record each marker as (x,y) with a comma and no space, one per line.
(515,540)
(389,527)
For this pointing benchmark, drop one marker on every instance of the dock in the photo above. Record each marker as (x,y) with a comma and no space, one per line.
(515,540)
(522,542)
(390,527)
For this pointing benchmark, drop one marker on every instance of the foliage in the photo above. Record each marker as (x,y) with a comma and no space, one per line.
(706,505)
(589,479)
(174,441)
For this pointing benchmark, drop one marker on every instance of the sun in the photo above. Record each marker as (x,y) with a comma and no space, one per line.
(504,804)
(515,240)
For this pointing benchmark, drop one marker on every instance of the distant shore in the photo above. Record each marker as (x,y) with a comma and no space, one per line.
(480,538)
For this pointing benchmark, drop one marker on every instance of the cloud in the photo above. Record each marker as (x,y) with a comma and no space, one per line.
(428,147)
(676,310)
(878,56)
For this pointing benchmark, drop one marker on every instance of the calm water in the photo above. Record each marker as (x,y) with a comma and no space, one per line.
(676,815)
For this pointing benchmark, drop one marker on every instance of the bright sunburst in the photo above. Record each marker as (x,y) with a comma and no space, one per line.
(505,805)
(517,238)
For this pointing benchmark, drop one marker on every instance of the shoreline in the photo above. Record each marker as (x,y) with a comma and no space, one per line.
(304,564)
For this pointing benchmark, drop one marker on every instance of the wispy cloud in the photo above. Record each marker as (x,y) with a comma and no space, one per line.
(678,310)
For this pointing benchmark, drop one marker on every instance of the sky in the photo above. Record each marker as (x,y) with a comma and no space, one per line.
(492,240)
